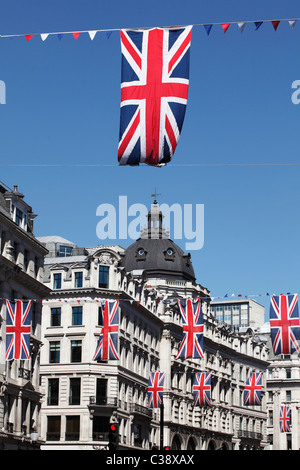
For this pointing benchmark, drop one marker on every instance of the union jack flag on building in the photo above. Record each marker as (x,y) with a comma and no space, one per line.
(154,92)
(284,323)
(155,389)
(18,327)
(285,418)
(107,347)
(202,389)
(192,325)
(252,390)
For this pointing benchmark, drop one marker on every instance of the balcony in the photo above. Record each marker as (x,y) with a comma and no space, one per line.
(107,402)
(140,410)
(250,435)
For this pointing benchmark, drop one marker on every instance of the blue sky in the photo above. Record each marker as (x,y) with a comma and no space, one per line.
(62,108)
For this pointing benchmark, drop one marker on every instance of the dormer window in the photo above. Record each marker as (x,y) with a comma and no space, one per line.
(65,251)
(19,217)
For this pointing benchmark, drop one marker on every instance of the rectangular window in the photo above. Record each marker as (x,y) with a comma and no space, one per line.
(103,276)
(74,398)
(101,392)
(100,428)
(55,316)
(65,251)
(53,391)
(72,428)
(57,281)
(78,279)
(76,315)
(54,352)
(100,316)
(19,217)
(53,428)
(76,346)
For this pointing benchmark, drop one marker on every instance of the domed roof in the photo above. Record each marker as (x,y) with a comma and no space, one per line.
(155,253)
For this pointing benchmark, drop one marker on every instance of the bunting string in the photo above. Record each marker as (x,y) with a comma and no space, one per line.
(138,302)
(207,26)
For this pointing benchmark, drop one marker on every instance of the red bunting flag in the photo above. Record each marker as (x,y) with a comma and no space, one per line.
(76,35)
(225,26)
(28,36)
(275,24)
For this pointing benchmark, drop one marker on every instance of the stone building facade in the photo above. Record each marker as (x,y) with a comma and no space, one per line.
(82,396)
(21,276)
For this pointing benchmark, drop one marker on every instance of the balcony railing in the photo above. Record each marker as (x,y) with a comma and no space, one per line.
(103,401)
(250,435)
(142,410)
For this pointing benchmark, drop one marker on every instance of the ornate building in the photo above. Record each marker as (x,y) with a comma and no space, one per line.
(82,396)
(21,275)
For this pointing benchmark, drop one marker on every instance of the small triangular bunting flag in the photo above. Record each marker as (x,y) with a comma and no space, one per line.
(257,24)
(76,35)
(92,34)
(275,24)
(28,36)
(44,36)
(208,28)
(241,26)
(225,26)
(292,23)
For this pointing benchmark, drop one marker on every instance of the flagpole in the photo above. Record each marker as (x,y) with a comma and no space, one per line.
(161,446)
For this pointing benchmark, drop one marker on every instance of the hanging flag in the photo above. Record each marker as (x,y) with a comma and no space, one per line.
(155,389)
(18,326)
(207,28)
(275,24)
(252,390)
(28,36)
(285,418)
(192,326)
(258,24)
(44,36)
(225,26)
(292,23)
(241,26)
(154,92)
(284,323)
(107,347)
(202,389)
(92,34)
(76,35)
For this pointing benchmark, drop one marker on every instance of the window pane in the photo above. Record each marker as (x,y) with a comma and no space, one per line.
(55,316)
(76,351)
(57,281)
(72,428)
(78,279)
(103,276)
(53,429)
(53,388)
(54,352)
(74,398)
(76,315)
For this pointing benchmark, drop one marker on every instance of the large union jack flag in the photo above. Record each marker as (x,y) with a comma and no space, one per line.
(155,389)
(284,323)
(107,347)
(252,390)
(18,327)
(192,326)
(202,389)
(154,92)
(285,418)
